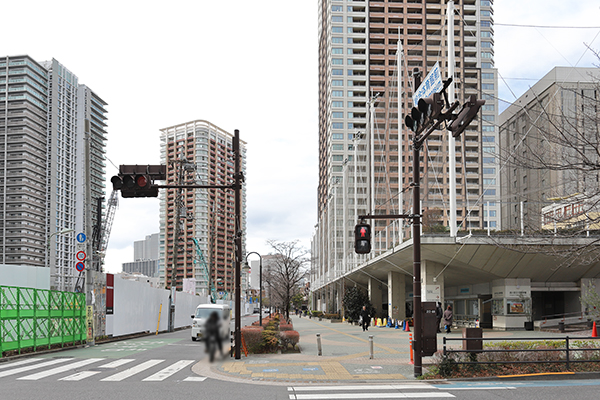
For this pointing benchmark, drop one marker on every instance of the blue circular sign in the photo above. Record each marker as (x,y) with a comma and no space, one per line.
(80,266)
(81,237)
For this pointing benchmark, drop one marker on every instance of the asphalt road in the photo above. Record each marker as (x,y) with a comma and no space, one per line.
(160,367)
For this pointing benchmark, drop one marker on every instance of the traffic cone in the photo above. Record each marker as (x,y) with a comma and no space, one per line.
(594,332)
(373,322)
(406,326)
(397,325)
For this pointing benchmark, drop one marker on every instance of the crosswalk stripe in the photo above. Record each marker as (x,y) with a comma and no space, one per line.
(132,371)
(30,367)
(195,379)
(79,376)
(360,387)
(117,363)
(336,396)
(22,362)
(170,370)
(58,370)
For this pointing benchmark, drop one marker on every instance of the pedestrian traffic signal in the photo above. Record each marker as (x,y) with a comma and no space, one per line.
(136,180)
(362,238)
(466,115)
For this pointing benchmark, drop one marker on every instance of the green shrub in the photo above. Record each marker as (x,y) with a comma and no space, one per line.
(286,327)
(253,338)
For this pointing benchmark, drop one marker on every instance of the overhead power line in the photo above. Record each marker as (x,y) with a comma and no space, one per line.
(548,26)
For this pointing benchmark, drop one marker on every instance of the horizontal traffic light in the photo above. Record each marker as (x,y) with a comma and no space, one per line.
(466,115)
(137,180)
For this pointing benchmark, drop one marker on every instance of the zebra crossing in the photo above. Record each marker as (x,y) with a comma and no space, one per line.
(382,391)
(405,391)
(71,369)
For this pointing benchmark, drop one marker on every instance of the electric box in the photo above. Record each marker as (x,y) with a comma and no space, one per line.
(429,337)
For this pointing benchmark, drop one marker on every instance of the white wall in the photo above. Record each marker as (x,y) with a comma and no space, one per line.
(137,306)
(25,276)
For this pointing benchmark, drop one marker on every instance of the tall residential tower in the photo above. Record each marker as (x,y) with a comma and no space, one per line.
(203,238)
(368,54)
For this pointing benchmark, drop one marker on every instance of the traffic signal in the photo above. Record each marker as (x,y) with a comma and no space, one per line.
(415,120)
(362,238)
(466,115)
(432,106)
(136,180)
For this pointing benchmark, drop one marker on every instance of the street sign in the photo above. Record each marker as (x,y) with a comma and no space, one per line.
(80,255)
(81,237)
(430,85)
(80,266)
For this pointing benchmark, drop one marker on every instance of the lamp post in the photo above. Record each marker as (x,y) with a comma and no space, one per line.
(259,284)
(61,232)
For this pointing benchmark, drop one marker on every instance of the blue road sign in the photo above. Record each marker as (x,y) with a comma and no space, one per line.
(80,266)
(81,237)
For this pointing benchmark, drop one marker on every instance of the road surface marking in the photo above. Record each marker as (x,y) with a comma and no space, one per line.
(79,376)
(30,367)
(132,371)
(117,363)
(170,370)
(58,370)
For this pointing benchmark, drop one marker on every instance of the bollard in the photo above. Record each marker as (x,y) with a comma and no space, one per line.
(371,347)
(319,344)
(410,342)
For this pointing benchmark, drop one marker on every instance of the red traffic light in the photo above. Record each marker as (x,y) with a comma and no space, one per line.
(142,181)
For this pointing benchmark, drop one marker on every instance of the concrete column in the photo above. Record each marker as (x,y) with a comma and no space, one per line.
(396,295)
(376,294)
(432,278)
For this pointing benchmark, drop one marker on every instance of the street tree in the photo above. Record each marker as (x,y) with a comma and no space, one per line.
(286,269)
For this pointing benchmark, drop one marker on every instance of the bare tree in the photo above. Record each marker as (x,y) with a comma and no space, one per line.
(284,273)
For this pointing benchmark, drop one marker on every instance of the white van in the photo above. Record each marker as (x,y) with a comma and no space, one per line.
(203,311)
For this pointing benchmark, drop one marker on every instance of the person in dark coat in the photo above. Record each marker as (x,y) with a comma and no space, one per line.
(448,318)
(213,331)
(366,318)
(439,313)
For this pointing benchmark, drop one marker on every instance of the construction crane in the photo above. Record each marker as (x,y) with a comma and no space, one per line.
(200,262)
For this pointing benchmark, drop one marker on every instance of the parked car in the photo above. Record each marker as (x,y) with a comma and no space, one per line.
(203,311)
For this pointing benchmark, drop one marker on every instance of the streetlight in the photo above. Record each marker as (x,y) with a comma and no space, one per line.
(63,232)
(259,283)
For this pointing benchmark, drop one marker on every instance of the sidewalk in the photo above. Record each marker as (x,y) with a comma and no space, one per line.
(345,356)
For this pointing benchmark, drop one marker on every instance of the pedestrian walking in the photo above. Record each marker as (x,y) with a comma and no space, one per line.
(448,318)
(366,318)
(439,313)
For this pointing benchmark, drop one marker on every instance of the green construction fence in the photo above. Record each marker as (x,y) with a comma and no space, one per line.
(37,319)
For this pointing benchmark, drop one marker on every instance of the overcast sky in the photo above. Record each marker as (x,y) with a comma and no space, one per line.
(247,65)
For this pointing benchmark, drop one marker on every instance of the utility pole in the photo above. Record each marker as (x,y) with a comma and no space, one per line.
(237,186)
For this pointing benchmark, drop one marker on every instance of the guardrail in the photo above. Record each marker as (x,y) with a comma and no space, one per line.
(567,359)
(34,318)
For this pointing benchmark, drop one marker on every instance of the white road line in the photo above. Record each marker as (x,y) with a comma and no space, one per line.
(131,371)
(167,372)
(22,362)
(361,387)
(195,379)
(58,370)
(117,363)
(30,367)
(79,376)
(334,396)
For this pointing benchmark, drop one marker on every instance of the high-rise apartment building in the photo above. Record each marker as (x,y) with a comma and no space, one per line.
(196,222)
(365,150)
(46,120)
(145,257)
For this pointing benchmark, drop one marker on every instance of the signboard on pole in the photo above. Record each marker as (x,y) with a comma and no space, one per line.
(80,255)
(430,85)
(81,237)
(80,266)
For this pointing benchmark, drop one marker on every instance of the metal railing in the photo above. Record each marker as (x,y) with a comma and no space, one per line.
(567,358)
(37,318)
